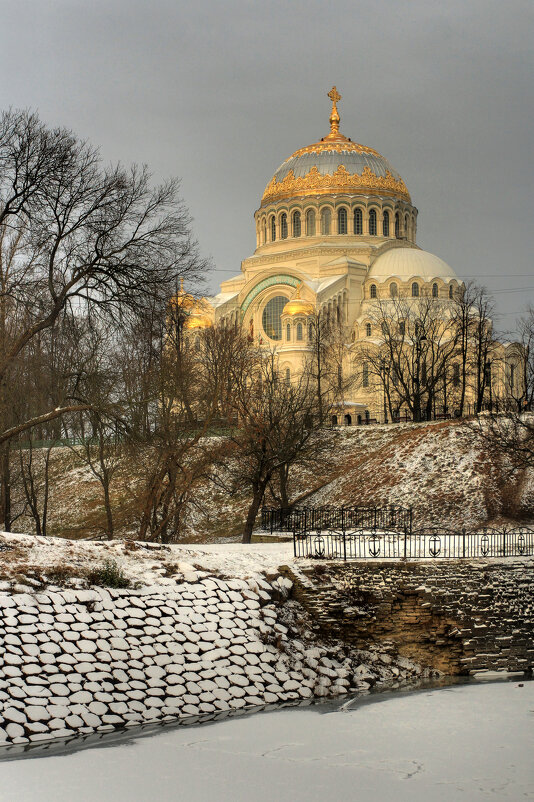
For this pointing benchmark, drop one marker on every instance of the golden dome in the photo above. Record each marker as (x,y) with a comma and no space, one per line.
(298,306)
(335,164)
(197,321)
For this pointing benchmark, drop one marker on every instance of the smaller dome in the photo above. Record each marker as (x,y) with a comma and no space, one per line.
(197,321)
(405,263)
(298,306)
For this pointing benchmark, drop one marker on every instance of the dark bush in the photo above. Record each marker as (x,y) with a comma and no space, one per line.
(109,575)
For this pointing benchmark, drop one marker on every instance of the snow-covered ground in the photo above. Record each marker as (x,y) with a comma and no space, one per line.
(146,564)
(466,742)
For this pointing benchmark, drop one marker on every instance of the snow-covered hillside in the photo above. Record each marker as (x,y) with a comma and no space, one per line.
(439,469)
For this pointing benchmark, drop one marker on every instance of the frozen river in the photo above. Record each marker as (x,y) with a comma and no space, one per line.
(465,742)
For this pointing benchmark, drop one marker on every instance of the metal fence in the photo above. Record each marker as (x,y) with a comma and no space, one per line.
(433,544)
(339,519)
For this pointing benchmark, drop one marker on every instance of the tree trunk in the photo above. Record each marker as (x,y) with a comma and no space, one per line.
(5,490)
(284,498)
(257,498)
(109,514)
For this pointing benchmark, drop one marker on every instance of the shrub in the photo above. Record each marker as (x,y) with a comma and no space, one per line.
(109,575)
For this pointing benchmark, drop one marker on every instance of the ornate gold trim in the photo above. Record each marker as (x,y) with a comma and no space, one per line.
(339,144)
(341,180)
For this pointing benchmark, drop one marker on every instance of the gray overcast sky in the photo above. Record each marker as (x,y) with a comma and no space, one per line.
(220,93)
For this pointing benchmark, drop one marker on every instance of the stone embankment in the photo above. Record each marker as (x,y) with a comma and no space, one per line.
(456,616)
(82,661)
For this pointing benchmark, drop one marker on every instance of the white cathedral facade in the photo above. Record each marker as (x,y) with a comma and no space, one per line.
(336,232)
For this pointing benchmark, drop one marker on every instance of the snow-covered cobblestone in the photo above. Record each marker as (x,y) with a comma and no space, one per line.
(82,661)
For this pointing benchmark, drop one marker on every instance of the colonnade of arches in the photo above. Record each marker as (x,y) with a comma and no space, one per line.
(325,220)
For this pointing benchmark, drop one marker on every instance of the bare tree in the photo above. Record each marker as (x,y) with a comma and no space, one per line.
(276,422)
(325,362)
(75,234)
(411,354)
(510,432)
(190,386)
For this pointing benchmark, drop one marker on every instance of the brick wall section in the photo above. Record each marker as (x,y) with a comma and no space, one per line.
(455,616)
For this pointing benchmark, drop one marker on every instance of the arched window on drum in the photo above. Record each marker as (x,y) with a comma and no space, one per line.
(283,226)
(372,222)
(299,332)
(358,221)
(310,223)
(296,224)
(273,229)
(342,221)
(326,218)
(385,224)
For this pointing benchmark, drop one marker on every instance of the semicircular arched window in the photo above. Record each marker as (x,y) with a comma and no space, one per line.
(270,318)
(393,290)
(296,224)
(288,332)
(283,226)
(342,227)
(397,226)
(299,331)
(273,229)
(358,221)
(372,291)
(372,223)
(264,231)
(326,218)
(368,329)
(310,223)
(385,224)
(406,227)
(415,290)
(435,292)
(451,290)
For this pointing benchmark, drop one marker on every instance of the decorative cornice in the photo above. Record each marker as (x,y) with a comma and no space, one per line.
(316,183)
(302,253)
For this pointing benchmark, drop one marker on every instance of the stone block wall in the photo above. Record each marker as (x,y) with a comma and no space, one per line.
(456,616)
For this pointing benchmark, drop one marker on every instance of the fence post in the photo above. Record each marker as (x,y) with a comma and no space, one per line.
(504,542)
(405,541)
(463,541)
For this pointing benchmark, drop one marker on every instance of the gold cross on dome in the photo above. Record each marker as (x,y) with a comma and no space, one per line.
(334,95)
(334,114)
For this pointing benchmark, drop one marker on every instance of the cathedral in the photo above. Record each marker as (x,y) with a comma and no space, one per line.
(336,233)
